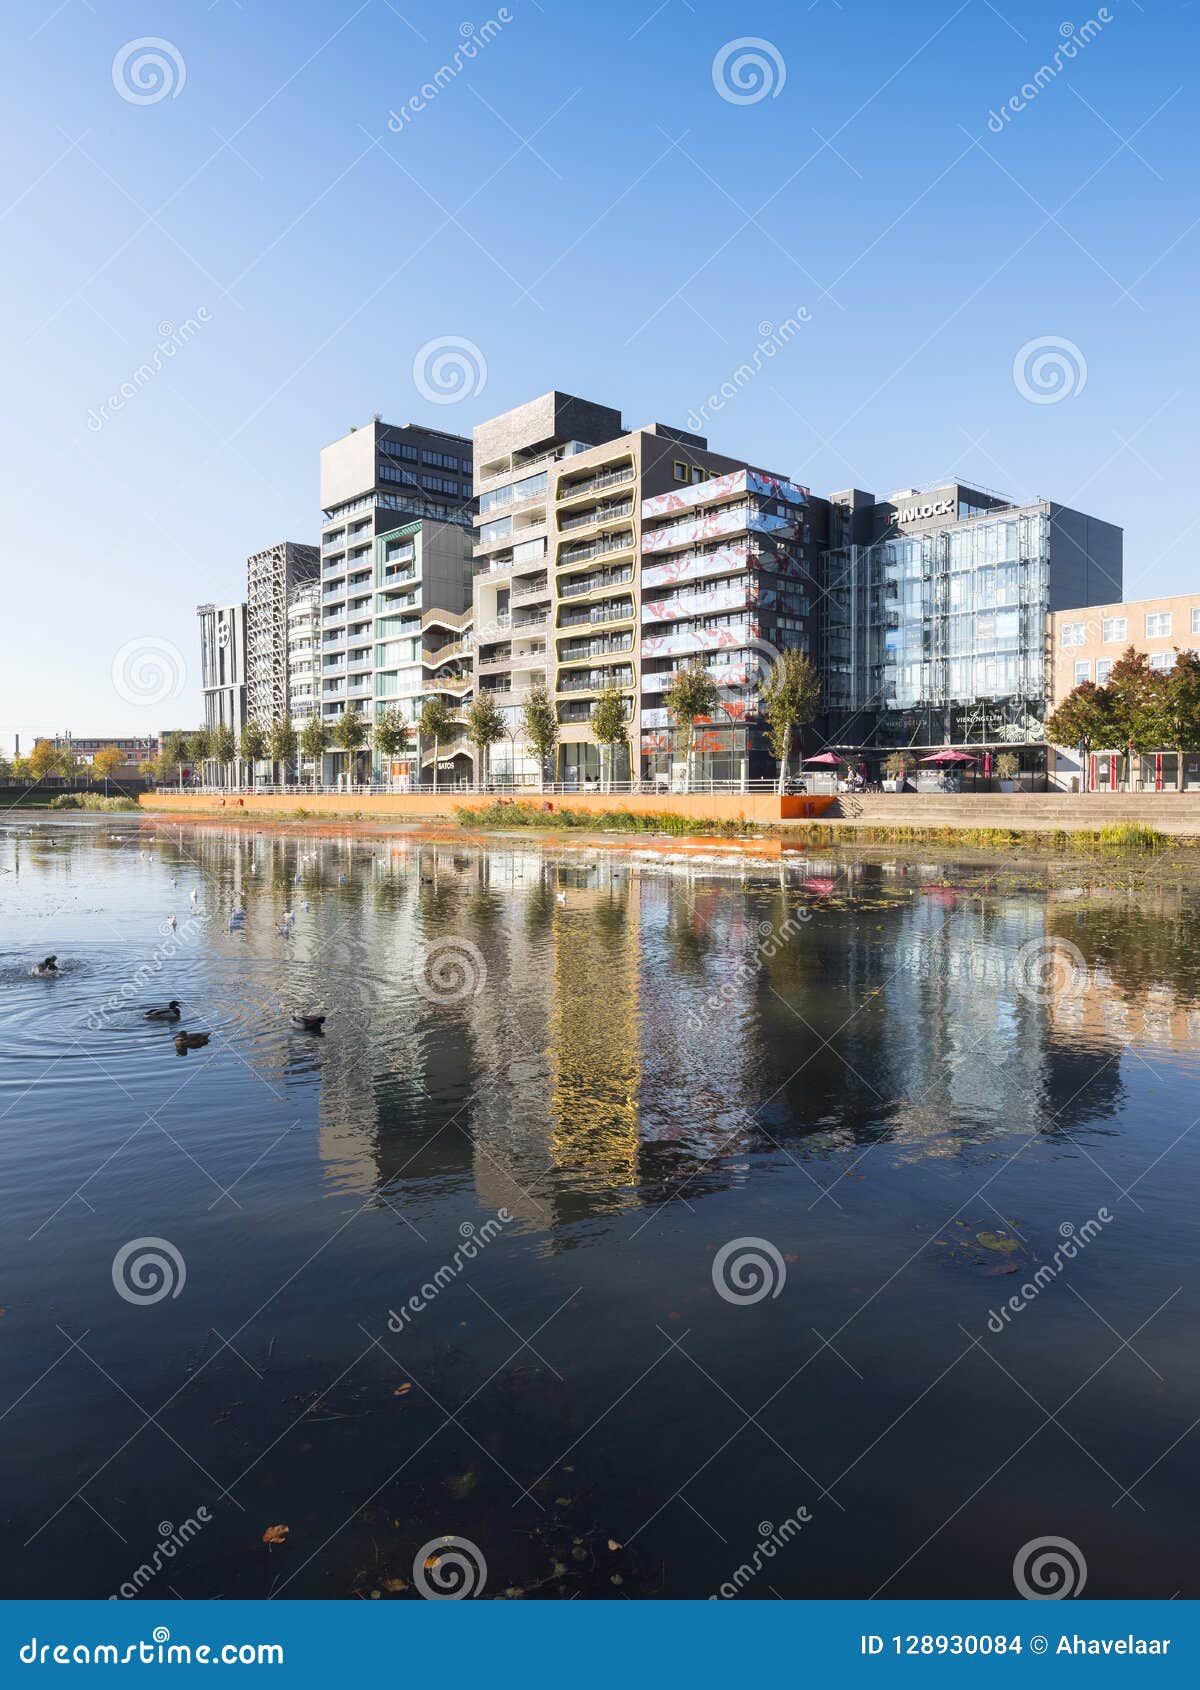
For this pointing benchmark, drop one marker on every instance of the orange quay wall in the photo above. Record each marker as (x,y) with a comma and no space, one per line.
(416,806)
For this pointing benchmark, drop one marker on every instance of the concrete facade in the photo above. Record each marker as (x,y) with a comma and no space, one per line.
(223,665)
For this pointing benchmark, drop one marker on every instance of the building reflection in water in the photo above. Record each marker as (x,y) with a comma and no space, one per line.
(642,1027)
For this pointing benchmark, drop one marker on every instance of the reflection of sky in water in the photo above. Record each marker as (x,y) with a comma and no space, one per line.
(663,1056)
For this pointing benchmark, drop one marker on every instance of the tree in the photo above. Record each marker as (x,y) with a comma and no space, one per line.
(48,759)
(224,747)
(22,768)
(1083,719)
(283,743)
(691,694)
(106,762)
(199,747)
(435,725)
(391,735)
(1138,695)
(170,762)
(541,728)
(485,725)
(788,699)
(350,734)
(1182,708)
(314,742)
(610,724)
(252,746)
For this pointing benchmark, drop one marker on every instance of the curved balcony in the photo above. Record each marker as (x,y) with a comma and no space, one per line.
(616,476)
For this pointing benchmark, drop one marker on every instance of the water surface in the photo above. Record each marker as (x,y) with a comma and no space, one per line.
(458,1267)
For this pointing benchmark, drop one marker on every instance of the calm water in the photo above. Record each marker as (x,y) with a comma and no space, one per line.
(553,1087)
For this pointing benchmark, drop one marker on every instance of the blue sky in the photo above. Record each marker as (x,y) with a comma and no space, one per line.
(584,205)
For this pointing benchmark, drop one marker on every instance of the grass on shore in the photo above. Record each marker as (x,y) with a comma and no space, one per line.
(520,814)
(1123,838)
(89,801)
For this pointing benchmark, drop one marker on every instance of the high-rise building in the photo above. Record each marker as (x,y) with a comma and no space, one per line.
(608,558)
(377,482)
(932,611)
(272,576)
(303,640)
(223,665)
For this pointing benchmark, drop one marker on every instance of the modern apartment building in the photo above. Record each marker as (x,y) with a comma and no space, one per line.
(303,642)
(933,607)
(376,481)
(571,505)
(223,665)
(272,576)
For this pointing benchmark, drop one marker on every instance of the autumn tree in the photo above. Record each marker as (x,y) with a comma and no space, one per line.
(541,727)
(391,735)
(609,722)
(350,735)
(485,725)
(314,743)
(283,742)
(691,695)
(788,700)
(436,724)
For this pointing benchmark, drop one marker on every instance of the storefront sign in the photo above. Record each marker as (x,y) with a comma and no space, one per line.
(920,513)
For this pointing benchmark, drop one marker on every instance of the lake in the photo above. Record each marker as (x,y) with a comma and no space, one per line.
(815,1228)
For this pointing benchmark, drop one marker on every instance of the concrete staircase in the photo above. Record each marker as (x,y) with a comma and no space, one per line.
(1041,812)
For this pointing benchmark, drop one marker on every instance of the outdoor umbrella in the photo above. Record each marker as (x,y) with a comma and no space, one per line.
(949,757)
(829,759)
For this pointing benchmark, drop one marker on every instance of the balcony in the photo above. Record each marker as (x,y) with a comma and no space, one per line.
(535,590)
(621,611)
(602,513)
(736,595)
(594,548)
(582,651)
(596,583)
(595,680)
(615,477)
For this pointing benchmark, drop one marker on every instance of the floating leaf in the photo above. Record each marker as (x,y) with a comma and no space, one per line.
(462,1484)
(994,1241)
(402,1390)
(275,1534)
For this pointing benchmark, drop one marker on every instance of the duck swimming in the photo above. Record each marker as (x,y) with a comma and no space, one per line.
(47,967)
(169,1013)
(191,1041)
(308,1023)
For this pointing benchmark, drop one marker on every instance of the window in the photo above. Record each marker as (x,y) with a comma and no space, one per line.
(1158,625)
(1113,629)
(1162,659)
(681,472)
(1196,621)
(697,476)
(1103,670)
(1072,633)
(1083,671)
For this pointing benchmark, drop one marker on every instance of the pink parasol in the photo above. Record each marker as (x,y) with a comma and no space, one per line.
(829,759)
(949,757)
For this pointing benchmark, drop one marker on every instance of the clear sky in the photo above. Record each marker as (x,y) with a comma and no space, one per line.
(583,202)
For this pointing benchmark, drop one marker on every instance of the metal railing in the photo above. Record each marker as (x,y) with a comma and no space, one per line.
(525,786)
